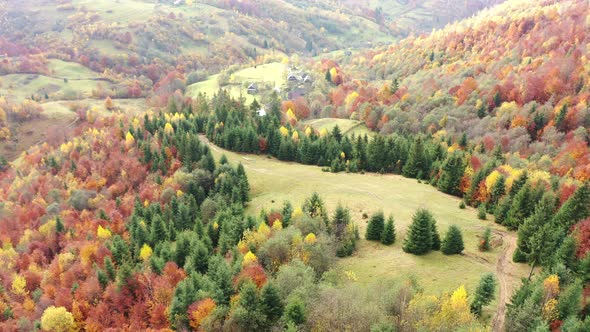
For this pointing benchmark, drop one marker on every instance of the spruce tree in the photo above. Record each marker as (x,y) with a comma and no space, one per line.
(375,227)
(522,207)
(272,305)
(451,173)
(295,311)
(501,210)
(570,300)
(158,231)
(453,242)
(287,212)
(388,236)
(498,190)
(248,313)
(109,267)
(59,225)
(535,237)
(416,166)
(418,240)
(484,294)
(576,208)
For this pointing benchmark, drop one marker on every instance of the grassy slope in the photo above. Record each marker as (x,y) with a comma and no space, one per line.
(273,181)
(347,127)
(270,73)
(21,86)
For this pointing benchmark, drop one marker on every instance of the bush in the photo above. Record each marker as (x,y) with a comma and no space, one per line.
(462,205)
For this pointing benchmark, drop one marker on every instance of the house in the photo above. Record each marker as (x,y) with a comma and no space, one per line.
(292,78)
(307,79)
(252,89)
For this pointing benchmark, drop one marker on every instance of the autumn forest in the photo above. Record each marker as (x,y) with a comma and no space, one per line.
(294,165)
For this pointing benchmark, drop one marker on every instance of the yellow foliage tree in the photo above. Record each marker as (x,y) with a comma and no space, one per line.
(48,227)
(291,115)
(323,132)
(145,253)
(308,131)
(551,286)
(333,73)
(284,131)
(168,129)
(277,225)
(129,140)
(57,319)
(550,310)
(492,179)
(310,238)
(108,103)
(349,100)
(295,135)
(249,259)
(103,233)
(19,284)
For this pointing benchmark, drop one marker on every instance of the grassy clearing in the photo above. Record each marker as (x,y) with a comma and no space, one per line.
(61,108)
(271,73)
(21,86)
(273,181)
(70,70)
(347,127)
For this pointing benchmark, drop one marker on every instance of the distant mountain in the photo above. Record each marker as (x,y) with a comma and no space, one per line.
(210,34)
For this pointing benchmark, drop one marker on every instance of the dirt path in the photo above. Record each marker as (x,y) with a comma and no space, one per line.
(503,274)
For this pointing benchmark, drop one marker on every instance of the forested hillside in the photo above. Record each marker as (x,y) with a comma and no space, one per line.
(126,213)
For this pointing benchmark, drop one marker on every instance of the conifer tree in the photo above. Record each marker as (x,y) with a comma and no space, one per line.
(535,237)
(451,173)
(498,190)
(248,313)
(158,231)
(576,208)
(521,208)
(110,268)
(484,294)
(59,225)
(416,166)
(295,311)
(453,242)
(375,227)
(272,305)
(418,240)
(287,212)
(501,210)
(388,236)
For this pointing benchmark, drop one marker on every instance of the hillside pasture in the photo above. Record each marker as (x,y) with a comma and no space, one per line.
(347,127)
(272,74)
(272,182)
